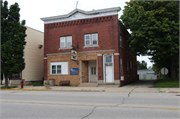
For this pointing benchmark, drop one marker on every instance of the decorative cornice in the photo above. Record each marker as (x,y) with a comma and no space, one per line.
(96,51)
(58,53)
(79,22)
(78,14)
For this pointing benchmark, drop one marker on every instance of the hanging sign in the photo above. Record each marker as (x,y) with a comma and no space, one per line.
(73,55)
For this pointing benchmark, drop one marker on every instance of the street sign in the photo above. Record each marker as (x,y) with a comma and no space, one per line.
(164,71)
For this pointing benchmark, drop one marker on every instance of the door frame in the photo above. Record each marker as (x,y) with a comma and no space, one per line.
(104,67)
(90,72)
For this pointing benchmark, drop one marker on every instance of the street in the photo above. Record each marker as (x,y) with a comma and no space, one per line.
(88,105)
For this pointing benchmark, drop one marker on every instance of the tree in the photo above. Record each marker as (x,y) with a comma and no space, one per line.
(12,40)
(141,65)
(155,31)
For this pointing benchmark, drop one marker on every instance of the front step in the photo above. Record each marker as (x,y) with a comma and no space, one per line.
(88,85)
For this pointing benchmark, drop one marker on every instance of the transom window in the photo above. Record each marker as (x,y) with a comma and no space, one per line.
(108,59)
(65,41)
(91,39)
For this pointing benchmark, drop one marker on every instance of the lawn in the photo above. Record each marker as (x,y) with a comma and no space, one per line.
(169,83)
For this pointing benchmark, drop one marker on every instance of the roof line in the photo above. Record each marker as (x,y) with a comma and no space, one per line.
(82,11)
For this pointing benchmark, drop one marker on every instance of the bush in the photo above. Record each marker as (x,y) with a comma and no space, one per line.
(38,84)
(47,83)
(9,87)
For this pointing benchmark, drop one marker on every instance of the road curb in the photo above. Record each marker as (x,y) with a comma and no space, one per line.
(25,89)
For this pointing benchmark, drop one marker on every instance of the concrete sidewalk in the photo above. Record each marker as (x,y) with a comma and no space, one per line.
(100,89)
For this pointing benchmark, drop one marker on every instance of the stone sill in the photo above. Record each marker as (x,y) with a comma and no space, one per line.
(64,48)
(91,46)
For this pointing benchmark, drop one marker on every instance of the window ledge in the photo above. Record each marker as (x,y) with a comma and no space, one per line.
(58,74)
(64,48)
(87,46)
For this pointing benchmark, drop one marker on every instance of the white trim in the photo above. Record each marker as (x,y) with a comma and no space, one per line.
(63,48)
(45,57)
(105,67)
(87,46)
(99,54)
(80,14)
(116,53)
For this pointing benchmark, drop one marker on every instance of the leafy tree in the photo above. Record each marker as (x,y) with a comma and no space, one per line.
(141,65)
(155,31)
(149,68)
(12,40)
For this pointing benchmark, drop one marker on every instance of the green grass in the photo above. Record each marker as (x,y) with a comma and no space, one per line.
(9,87)
(38,84)
(169,83)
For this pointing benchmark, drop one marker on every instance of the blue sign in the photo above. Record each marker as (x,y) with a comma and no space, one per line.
(74,71)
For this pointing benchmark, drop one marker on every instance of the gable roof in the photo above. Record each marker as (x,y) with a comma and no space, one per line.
(81,14)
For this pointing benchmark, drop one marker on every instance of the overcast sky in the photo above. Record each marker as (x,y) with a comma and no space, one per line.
(33,10)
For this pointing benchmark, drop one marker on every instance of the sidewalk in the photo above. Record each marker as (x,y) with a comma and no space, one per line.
(100,89)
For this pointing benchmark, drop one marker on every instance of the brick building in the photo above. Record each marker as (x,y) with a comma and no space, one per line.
(100,49)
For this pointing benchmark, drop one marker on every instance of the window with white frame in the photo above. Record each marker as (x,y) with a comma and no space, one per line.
(91,39)
(58,68)
(120,41)
(108,59)
(65,41)
(121,67)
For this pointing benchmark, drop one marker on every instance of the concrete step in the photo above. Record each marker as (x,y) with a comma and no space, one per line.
(88,85)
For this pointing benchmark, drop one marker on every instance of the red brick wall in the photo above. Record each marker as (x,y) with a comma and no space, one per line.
(106,27)
(126,57)
(108,39)
(100,67)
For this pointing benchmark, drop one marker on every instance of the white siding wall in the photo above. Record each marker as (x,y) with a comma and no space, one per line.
(34,59)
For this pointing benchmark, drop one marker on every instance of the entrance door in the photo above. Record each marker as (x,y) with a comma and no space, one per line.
(93,74)
(108,74)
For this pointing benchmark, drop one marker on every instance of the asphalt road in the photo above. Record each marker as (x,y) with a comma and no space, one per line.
(88,105)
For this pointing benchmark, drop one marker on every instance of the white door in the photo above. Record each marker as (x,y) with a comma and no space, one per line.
(93,74)
(108,74)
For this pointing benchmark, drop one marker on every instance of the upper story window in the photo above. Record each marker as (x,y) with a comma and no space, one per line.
(66,42)
(120,41)
(91,39)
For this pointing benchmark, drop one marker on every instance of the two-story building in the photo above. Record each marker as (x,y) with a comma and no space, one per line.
(100,49)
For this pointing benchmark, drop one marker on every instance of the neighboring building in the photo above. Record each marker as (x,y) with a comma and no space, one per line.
(146,74)
(34,59)
(101,51)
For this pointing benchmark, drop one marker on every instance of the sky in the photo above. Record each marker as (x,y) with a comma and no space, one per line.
(33,10)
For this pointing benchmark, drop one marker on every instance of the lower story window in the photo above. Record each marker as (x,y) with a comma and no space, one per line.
(56,69)
(59,68)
